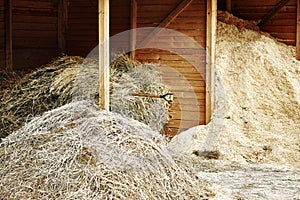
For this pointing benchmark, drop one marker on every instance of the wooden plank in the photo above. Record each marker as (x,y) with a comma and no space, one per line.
(32,4)
(8,35)
(20,43)
(35,33)
(210,46)
(272,12)
(34,26)
(172,15)
(62,22)
(298,31)
(253,3)
(279,29)
(282,22)
(133,28)
(104,54)
(262,10)
(187,115)
(228,5)
(35,19)
(185,124)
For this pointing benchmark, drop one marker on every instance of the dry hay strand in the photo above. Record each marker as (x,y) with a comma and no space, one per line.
(8,80)
(32,95)
(77,151)
(138,78)
(55,85)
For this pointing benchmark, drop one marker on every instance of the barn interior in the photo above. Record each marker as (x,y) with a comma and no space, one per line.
(35,32)
(179,38)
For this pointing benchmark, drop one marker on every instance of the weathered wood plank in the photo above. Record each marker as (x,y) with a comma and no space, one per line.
(104,54)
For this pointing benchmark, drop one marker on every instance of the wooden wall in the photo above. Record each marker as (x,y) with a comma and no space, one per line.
(186,80)
(82,27)
(282,25)
(120,15)
(35,34)
(34,28)
(2,34)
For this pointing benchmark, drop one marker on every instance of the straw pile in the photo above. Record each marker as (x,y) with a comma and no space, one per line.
(257,111)
(56,85)
(77,151)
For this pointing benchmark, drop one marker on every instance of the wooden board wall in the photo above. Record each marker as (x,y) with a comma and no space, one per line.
(282,25)
(185,80)
(120,22)
(2,35)
(35,31)
(82,27)
(34,28)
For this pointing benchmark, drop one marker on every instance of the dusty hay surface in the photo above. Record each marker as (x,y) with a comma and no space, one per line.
(77,151)
(57,84)
(257,109)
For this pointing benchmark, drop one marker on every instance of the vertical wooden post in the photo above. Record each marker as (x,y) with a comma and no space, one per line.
(228,5)
(62,25)
(133,27)
(8,35)
(210,52)
(298,30)
(104,54)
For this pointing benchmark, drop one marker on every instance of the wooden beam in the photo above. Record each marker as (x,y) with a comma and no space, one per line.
(133,27)
(272,12)
(228,5)
(62,25)
(298,31)
(165,22)
(210,49)
(8,35)
(104,54)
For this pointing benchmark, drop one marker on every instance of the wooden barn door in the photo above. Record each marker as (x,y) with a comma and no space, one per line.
(185,79)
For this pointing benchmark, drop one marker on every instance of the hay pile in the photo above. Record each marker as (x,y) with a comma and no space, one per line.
(61,82)
(8,80)
(257,116)
(138,78)
(32,95)
(77,151)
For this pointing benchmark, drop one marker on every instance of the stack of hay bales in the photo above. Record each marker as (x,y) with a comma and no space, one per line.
(77,151)
(55,84)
